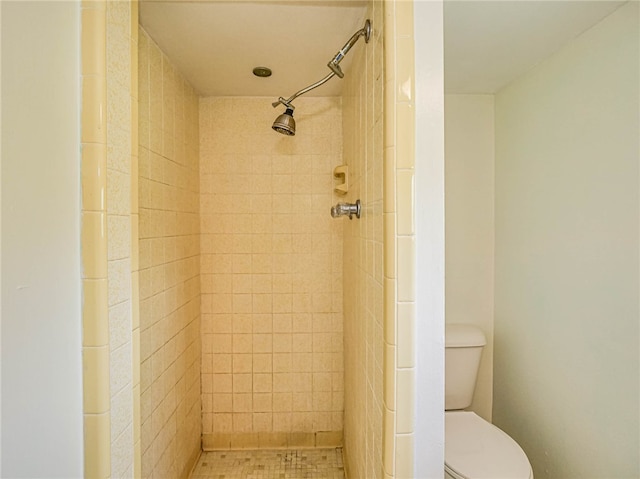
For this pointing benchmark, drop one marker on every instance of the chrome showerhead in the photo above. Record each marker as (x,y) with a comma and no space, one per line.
(285,123)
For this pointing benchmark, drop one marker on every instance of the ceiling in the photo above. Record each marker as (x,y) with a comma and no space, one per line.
(488,44)
(216,44)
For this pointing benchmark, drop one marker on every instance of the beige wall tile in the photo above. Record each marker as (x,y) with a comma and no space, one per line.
(169,277)
(96,380)
(120,116)
(403,85)
(94,240)
(404,456)
(272,269)
(388,451)
(94,107)
(406,337)
(404,19)
(390,377)
(404,69)
(405,393)
(405,136)
(405,201)
(94,177)
(97,453)
(95,326)
(406,270)
(371,177)
(93,41)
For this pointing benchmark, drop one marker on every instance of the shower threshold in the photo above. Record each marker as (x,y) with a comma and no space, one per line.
(271,464)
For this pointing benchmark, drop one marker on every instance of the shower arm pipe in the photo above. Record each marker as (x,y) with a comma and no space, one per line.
(333,65)
(363,32)
(288,101)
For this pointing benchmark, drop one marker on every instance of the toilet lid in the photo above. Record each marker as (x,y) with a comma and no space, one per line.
(476,449)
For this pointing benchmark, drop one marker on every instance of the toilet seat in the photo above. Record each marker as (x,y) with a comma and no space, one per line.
(476,449)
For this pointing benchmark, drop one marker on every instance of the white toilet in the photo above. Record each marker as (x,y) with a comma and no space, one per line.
(474,448)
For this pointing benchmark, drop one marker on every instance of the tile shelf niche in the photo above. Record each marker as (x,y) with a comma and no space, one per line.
(342,173)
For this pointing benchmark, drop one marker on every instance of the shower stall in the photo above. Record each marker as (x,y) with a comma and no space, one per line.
(258,320)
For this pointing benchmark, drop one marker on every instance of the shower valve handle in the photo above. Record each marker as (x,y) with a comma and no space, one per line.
(346,209)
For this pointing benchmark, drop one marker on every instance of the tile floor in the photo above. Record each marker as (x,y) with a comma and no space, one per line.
(271,464)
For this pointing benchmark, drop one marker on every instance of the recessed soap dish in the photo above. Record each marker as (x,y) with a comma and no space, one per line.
(342,173)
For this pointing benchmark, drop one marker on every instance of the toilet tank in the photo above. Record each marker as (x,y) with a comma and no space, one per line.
(463,348)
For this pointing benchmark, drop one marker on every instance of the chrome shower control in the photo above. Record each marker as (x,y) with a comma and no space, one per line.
(346,209)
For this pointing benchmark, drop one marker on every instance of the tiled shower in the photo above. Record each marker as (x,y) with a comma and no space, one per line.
(169,244)
(258,321)
(236,242)
(271,276)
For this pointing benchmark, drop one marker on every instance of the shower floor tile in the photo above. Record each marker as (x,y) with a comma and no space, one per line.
(271,464)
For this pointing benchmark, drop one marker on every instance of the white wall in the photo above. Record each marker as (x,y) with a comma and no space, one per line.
(429,238)
(469,226)
(41,323)
(0,243)
(567,236)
